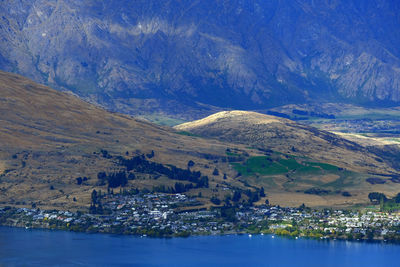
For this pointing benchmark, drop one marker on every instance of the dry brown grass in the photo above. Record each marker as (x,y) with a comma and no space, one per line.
(56,138)
(269,132)
(370,141)
(293,199)
(54,135)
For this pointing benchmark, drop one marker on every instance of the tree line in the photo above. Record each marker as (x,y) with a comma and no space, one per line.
(142,165)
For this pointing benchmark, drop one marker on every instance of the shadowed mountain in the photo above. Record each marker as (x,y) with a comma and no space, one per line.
(188,59)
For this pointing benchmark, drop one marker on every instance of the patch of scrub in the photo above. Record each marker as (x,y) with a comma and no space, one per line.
(2,167)
(163,120)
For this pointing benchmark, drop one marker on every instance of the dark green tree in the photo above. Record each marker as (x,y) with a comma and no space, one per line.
(94,197)
(215,200)
(190,163)
(236,196)
(262,193)
(376,197)
(215,172)
(397,198)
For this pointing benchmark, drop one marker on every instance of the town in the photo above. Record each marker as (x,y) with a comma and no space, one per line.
(177,215)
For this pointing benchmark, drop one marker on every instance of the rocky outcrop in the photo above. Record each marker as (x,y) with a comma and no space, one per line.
(183,54)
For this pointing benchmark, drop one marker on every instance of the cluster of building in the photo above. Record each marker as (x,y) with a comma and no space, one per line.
(365,125)
(328,223)
(178,215)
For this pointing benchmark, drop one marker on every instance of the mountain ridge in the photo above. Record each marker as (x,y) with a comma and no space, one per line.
(283,135)
(190,59)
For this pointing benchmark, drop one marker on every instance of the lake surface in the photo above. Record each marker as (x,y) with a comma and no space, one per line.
(19,246)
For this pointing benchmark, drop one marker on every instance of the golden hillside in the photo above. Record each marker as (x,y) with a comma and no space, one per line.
(315,160)
(49,138)
(286,136)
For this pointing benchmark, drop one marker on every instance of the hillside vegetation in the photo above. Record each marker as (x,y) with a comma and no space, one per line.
(55,149)
(286,136)
(298,157)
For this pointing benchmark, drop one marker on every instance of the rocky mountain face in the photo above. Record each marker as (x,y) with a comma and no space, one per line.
(193,57)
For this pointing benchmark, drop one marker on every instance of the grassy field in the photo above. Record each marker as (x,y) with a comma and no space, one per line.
(272,165)
(294,173)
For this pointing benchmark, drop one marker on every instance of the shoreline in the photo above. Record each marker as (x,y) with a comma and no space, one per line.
(161,215)
(228,233)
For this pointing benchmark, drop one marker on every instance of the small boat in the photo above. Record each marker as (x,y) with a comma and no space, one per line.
(250,235)
(273,236)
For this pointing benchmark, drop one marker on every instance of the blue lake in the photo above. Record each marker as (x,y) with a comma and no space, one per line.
(43,248)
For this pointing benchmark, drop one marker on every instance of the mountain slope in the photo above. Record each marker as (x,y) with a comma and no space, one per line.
(48,139)
(301,163)
(283,135)
(191,57)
